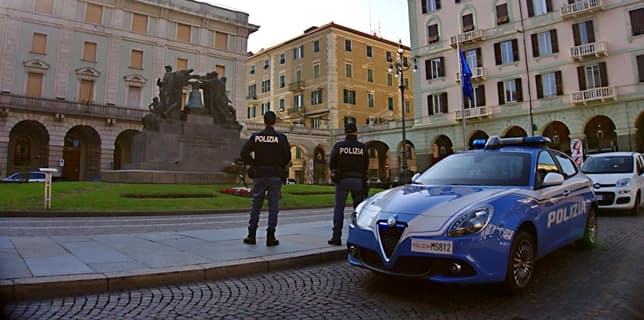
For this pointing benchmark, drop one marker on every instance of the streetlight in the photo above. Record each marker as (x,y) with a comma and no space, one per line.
(400,65)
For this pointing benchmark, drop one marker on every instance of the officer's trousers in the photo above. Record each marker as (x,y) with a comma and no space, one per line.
(260,185)
(342,189)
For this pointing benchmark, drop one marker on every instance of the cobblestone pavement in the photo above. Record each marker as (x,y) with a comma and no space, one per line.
(605,283)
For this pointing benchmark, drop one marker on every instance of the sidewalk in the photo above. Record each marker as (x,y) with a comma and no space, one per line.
(39,267)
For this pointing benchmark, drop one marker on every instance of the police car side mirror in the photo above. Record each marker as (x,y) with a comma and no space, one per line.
(552,179)
(415,177)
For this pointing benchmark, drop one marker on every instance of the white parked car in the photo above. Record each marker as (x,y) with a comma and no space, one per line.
(33,176)
(618,179)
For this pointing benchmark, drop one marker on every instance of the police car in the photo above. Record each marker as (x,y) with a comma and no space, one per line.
(479,216)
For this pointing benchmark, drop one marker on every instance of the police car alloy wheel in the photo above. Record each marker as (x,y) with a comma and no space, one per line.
(521,263)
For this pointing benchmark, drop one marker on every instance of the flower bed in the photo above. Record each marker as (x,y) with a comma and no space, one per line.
(238,191)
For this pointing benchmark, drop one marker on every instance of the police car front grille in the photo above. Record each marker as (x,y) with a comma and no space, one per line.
(607,198)
(389,236)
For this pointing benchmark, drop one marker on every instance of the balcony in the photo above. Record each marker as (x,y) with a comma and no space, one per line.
(296,111)
(596,94)
(593,49)
(580,8)
(467,37)
(296,86)
(474,113)
(477,74)
(251,97)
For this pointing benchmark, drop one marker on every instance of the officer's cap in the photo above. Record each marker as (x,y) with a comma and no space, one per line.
(350,128)
(270,117)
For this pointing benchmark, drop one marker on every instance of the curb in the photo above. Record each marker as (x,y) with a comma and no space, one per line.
(57,286)
(72,214)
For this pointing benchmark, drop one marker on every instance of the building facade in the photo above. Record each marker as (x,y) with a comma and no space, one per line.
(317,82)
(559,68)
(77,77)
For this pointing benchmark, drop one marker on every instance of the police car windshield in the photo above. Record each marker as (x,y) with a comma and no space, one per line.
(613,164)
(481,169)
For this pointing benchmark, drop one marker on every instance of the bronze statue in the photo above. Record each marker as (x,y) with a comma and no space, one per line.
(170,91)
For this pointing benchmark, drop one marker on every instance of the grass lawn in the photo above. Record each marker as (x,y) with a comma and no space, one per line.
(103,196)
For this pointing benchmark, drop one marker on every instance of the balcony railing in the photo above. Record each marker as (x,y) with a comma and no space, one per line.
(474,113)
(9,101)
(471,36)
(595,94)
(296,110)
(296,86)
(477,74)
(596,49)
(251,97)
(579,8)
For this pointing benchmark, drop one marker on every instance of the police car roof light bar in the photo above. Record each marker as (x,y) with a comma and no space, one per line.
(497,142)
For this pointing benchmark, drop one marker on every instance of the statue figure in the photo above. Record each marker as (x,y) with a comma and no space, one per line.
(170,91)
(216,100)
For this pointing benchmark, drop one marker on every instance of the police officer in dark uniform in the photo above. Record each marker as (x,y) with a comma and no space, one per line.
(268,169)
(349,163)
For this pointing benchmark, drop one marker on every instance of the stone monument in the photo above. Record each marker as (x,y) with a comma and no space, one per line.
(193,145)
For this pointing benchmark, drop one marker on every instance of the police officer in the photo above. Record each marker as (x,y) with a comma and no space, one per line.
(349,163)
(268,168)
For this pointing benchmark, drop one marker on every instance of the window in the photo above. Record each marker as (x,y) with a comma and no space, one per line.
(478,99)
(183,32)
(139,23)
(282,80)
(347,45)
(134,97)
(34,84)
(298,52)
(430,5)
(369,75)
(136,59)
(468,22)
(316,46)
(298,101)
(583,33)
(316,96)
(567,166)
(506,52)
(390,103)
(348,70)
(544,43)
(390,57)
(371,100)
(316,71)
(252,69)
(473,57)
(266,64)
(282,58)
(266,86)
(432,33)
(369,51)
(592,76)
(298,75)
(637,21)
(502,14)
(437,103)
(640,67)
(221,70)
(251,112)
(282,104)
(86,93)
(390,79)
(510,91)
(221,41)
(182,64)
(434,68)
(316,123)
(265,107)
(39,43)
(549,84)
(93,13)
(44,6)
(539,7)
(349,96)
(252,91)
(89,51)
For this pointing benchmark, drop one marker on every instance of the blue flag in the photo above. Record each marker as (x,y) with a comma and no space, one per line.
(466,77)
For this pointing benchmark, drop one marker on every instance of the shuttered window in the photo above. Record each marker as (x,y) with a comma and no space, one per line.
(468,22)
(34,84)
(637,21)
(183,32)
(502,14)
(86,93)
(94,13)
(640,67)
(136,59)
(89,51)
(44,6)
(182,64)
(432,33)
(39,43)
(139,23)
(221,70)
(221,40)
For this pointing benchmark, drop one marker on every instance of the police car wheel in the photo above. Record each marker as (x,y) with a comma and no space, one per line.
(589,239)
(521,263)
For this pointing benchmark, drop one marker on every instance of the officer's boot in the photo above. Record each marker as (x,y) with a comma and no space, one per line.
(270,238)
(250,239)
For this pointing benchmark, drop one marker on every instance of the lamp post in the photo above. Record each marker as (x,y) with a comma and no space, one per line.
(399,66)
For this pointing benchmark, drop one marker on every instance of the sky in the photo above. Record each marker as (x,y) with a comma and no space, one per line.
(282,20)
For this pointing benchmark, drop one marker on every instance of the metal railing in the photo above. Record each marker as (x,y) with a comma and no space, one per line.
(474,113)
(579,7)
(594,48)
(296,86)
(585,96)
(296,110)
(470,36)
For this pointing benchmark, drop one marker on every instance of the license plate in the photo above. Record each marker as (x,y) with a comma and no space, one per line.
(431,246)
(600,197)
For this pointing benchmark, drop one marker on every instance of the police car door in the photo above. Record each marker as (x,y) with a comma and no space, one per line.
(578,201)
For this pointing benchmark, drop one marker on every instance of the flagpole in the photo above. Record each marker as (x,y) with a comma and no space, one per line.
(460,70)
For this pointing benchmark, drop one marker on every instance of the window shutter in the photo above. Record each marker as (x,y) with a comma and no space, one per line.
(591,31)
(519,86)
(497,53)
(575,34)
(438,4)
(500,89)
(537,79)
(549,5)
(480,95)
(441,71)
(515,50)
(430,105)
(468,22)
(640,67)
(535,45)
(553,41)
(428,69)
(444,102)
(530,8)
(423,4)
(581,76)
(603,74)
(479,62)
(559,83)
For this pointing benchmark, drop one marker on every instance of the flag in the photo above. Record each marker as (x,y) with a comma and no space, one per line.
(466,77)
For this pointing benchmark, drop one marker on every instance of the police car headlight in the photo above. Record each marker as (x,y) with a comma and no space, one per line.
(473,221)
(365,213)
(623,182)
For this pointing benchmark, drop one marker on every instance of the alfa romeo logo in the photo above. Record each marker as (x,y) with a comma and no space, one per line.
(391,222)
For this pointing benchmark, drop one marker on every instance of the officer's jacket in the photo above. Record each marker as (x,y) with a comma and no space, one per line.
(350,158)
(271,150)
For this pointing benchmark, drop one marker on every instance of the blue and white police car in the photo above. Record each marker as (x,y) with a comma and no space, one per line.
(478,216)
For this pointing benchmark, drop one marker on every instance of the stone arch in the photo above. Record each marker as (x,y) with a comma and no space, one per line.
(600,135)
(441,148)
(379,163)
(320,165)
(478,134)
(559,134)
(28,147)
(123,149)
(515,131)
(82,154)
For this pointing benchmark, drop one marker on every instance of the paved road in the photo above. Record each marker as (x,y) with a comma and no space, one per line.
(605,283)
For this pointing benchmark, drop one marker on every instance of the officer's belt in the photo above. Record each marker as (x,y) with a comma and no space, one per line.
(351,174)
